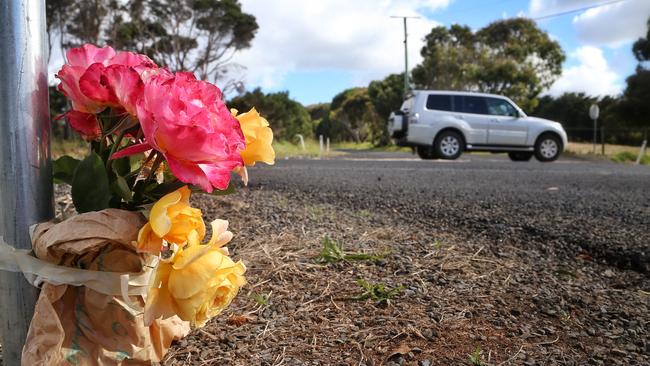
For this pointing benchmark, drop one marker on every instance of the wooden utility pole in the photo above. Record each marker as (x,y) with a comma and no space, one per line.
(407,83)
(25,167)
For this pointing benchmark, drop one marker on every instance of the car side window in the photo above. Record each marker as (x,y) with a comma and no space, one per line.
(470,104)
(439,102)
(500,107)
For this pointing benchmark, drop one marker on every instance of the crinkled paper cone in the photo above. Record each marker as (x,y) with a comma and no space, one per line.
(79,326)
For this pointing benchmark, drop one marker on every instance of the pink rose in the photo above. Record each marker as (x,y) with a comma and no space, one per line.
(96,78)
(187,121)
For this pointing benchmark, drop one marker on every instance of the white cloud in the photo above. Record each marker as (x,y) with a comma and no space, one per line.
(356,36)
(612,25)
(592,75)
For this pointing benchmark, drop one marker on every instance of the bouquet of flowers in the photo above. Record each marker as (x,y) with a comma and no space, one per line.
(154,138)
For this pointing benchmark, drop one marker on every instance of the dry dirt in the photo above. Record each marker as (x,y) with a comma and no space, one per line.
(462,300)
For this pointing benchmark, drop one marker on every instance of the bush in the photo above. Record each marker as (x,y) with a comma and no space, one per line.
(627,157)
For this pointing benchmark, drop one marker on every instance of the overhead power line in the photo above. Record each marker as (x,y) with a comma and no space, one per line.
(577,10)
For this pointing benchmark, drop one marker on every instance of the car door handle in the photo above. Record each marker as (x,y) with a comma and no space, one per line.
(495,120)
(459,116)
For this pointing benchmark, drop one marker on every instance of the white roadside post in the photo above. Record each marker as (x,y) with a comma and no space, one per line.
(594,112)
(25,167)
(302,142)
(641,152)
(327,148)
(320,145)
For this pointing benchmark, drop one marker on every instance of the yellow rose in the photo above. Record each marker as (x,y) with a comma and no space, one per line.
(197,282)
(172,219)
(259,138)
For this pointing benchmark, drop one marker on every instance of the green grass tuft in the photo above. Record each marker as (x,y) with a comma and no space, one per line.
(332,252)
(378,292)
(630,157)
(476,357)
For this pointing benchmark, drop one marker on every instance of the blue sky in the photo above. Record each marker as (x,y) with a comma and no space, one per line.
(318,49)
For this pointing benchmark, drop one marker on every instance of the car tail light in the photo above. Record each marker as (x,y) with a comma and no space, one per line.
(413,118)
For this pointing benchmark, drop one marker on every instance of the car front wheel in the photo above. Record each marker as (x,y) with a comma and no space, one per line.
(520,156)
(448,145)
(548,148)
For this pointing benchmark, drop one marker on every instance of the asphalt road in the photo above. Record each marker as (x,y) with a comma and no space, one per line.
(566,209)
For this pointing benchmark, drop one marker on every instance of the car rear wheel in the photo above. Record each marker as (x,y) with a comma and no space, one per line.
(448,145)
(520,156)
(425,152)
(548,148)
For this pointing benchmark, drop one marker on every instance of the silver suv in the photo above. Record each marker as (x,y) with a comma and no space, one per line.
(442,124)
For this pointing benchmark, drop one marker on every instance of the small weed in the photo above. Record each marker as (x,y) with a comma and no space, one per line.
(332,252)
(476,357)
(378,292)
(364,214)
(438,244)
(316,213)
(630,157)
(261,299)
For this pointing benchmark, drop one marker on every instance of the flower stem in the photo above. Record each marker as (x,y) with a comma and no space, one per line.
(114,148)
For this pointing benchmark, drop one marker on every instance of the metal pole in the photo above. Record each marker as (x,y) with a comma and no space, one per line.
(406,58)
(407,84)
(25,167)
(595,133)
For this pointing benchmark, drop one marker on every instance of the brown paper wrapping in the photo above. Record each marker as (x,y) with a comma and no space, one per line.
(79,326)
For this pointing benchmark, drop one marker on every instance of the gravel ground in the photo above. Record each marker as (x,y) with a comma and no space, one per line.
(491,262)
(508,263)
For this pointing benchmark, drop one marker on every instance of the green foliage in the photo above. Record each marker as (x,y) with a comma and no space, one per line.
(63,169)
(379,292)
(629,157)
(318,112)
(641,47)
(332,252)
(386,96)
(199,36)
(352,117)
(634,105)
(90,186)
(286,116)
(261,299)
(169,31)
(476,357)
(511,57)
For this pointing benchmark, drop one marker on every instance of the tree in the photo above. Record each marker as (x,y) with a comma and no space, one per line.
(200,36)
(511,57)
(352,117)
(448,59)
(634,104)
(386,96)
(286,116)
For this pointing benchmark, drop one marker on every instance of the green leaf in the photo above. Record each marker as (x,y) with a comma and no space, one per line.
(121,188)
(63,169)
(90,187)
(122,166)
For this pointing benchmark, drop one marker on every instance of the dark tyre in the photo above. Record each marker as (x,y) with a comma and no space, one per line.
(548,148)
(425,152)
(448,145)
(520,156)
